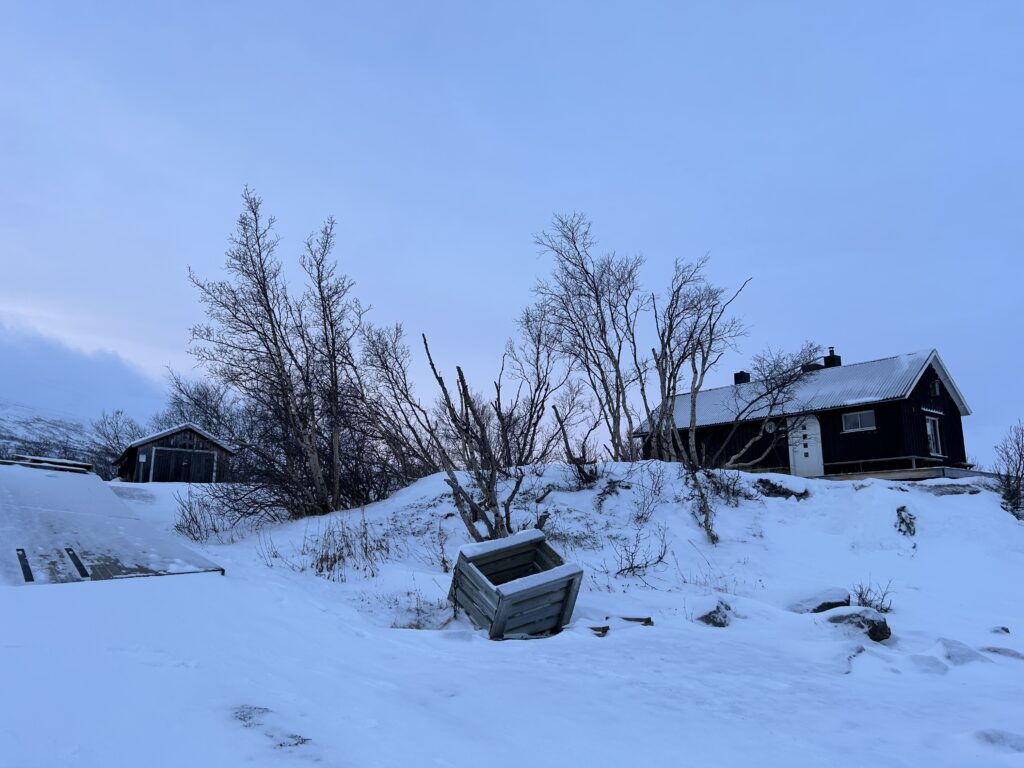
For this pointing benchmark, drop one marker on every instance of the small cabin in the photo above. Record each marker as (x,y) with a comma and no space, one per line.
(896,414)
(186,453)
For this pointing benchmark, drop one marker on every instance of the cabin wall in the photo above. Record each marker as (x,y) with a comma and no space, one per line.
(709,439)
(885,441)
(900,438)
(922,404)
(181,457)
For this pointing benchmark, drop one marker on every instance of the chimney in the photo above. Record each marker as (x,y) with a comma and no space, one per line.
(741,377)
(832,360)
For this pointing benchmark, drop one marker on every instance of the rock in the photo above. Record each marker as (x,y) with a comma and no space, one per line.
(719,617)
(826,600)
(776,490)
(1001,630)
(869,620)
(958,653)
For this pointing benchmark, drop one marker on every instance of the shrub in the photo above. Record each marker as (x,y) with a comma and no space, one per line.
(643,551)
(198,518)
(335,548)
(727,485)
(876,597)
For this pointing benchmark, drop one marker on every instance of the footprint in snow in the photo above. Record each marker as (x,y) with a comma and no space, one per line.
(256,717)
(1005,740)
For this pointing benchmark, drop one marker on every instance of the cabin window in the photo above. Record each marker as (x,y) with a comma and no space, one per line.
(935,388)
(858,421)
(934,439)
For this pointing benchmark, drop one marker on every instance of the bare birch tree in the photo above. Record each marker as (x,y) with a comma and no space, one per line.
(289,360)
(112,433)
(713,331)
(676,335)
(1009,469)
(594,303)
(483,445)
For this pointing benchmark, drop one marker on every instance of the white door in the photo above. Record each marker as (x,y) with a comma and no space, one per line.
(805,447)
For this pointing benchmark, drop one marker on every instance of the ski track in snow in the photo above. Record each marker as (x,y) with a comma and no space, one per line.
(268,666)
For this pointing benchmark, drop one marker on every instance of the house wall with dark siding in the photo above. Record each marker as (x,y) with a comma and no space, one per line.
(885,441)
(900,435)
(921,404)
(709,439)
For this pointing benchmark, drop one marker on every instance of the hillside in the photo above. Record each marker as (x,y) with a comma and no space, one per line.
(275,665)
(24,429)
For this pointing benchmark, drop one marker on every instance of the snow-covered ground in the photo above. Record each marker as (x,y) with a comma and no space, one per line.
(272,665)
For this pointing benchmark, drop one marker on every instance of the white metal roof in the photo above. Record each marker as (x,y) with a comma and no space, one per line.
(891,378)
(179,428)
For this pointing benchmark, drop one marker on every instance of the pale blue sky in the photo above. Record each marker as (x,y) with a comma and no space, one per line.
(861,161)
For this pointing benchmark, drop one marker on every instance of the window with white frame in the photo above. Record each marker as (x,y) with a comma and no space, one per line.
(935,388)
(934,438)
(858,421)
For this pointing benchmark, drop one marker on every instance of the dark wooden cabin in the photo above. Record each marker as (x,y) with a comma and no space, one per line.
(186,453)
(896,413)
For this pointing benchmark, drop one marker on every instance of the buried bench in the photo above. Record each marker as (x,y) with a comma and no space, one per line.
(517,585)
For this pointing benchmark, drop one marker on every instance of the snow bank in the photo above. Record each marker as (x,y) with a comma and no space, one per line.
(273,666)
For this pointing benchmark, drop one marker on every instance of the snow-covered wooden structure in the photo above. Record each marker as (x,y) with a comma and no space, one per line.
(60,525)
(517,585)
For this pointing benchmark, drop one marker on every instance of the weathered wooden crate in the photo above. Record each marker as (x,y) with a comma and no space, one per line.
(517,585)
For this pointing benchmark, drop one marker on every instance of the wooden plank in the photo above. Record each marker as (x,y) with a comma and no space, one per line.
(528,546)
(559,583)
(51,467)
(570,600)
(548,624)
(480,585)
(532,603)
(547,556)
(507,603)
(77,562)
(468,591)
(546,613)
(497,629)
(511,574)
(478,613)
(512,562)
(26,570)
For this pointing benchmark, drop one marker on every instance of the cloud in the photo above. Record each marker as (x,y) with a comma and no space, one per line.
(46,375)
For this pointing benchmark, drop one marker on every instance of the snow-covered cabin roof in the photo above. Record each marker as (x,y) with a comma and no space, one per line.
(178,428)
(842,386)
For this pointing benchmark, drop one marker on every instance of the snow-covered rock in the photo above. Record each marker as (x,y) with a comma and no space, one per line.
(825,600)
(868,620)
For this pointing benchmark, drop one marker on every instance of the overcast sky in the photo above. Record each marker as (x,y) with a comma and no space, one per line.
(862,162)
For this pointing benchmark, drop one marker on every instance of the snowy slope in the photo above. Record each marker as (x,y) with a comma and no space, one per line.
(24,429)
(274,666)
